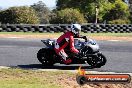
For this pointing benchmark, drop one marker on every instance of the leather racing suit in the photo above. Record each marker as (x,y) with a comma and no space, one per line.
(67,39)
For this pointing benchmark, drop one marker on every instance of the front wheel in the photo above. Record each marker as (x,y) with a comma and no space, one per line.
(97,60)
(102,59)
(45,56)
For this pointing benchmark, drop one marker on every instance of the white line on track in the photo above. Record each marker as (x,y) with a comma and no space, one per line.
(114,40)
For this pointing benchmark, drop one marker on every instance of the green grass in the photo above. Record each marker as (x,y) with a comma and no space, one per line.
(18,78)
(58,34)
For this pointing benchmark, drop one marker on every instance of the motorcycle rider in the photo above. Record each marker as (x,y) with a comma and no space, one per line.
(67,40)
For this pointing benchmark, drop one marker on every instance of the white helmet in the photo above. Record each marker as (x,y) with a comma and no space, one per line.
(76,29)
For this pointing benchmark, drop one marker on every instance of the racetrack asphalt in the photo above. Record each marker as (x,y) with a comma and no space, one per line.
(22,53)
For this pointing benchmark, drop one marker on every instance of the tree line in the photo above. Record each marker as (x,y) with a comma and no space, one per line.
(69,11)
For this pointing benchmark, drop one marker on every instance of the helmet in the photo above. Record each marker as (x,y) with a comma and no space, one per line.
(76,29)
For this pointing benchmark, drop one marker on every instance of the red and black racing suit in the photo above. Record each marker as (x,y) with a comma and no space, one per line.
(62,42)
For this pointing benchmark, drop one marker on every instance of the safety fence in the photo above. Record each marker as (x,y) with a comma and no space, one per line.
(88,28)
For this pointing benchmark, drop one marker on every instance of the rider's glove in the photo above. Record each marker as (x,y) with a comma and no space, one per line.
(84,37)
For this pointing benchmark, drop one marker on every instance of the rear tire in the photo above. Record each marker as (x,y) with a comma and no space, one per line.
(45,56)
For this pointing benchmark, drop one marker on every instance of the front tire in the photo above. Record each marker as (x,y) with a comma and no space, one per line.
(102,59)
(97,61)
(45,56)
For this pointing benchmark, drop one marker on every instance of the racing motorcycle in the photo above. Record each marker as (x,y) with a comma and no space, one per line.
(89,49)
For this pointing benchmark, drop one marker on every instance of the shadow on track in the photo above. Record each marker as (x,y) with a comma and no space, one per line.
(62,67)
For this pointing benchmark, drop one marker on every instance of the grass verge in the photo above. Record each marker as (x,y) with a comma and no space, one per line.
(96,36)
(20,78)
(58,34)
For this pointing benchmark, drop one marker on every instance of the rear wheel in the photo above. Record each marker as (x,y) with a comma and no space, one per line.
(45,56)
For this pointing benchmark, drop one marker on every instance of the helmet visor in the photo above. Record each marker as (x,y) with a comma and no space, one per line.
(78,31)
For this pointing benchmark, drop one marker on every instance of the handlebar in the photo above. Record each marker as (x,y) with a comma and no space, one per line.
(85,38)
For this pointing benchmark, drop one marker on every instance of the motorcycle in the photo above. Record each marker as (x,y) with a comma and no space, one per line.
(90,53)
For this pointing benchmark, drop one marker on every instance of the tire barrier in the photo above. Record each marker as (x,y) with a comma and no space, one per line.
(90,28)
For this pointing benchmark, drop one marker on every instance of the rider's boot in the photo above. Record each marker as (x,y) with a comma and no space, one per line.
(67,61)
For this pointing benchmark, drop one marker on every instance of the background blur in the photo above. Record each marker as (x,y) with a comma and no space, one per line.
(65,11)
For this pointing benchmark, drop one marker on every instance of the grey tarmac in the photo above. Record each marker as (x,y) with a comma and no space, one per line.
(20,52)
